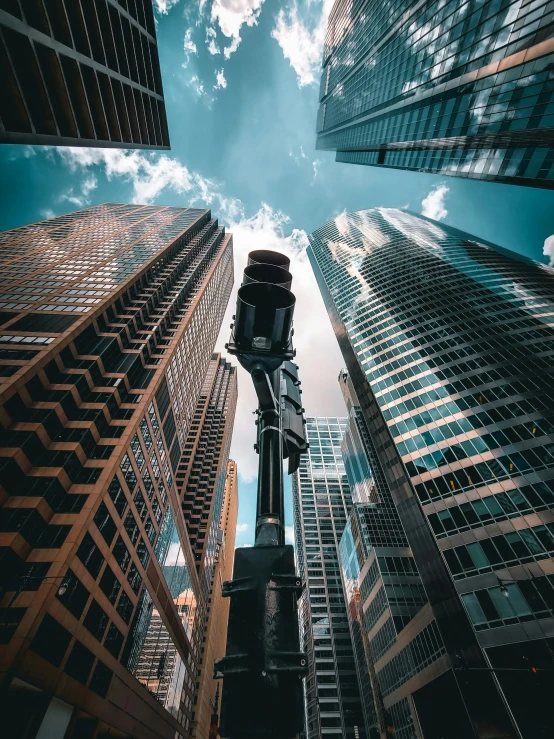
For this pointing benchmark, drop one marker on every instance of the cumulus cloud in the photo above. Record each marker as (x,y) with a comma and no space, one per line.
(82,196)
(231,15)
(164,6)
(300,34)
(548,249)
(433,206)
(242,528)
(189,47)
(211,35)
(47,214)
(149,174)
(220,81)
(318,355)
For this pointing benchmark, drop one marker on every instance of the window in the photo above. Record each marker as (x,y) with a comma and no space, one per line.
(90,555)
(121,554)
(75,596)
(134,578)
(96,620)
(118,496)
(114,640)
(105,523)
(51,640)
(110,585)
(125,607)
(79,663)
(131,527)
(101,679)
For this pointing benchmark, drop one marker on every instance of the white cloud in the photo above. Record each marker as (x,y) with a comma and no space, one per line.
(189,47)
(81,198)
(433,206)
(149,174)
(243,546)
(220,81)
(47,214)
(318,355)
(301,34)
(289,534)
(548,249)
(211,35)
(231,15)
(164,6)
(298,158)
(242,528)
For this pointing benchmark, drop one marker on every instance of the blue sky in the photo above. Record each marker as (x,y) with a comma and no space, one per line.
(241,83)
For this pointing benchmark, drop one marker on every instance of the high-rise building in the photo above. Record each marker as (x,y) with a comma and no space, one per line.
(81,73)
(388,609)
(202,487)
(109,319)
(448,344)
(461,89)
(322,500)
(201,482)
(218,609)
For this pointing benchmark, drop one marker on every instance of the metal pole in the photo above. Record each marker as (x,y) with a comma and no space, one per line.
(270,507)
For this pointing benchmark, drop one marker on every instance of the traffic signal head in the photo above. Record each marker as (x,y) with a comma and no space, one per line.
(265,306)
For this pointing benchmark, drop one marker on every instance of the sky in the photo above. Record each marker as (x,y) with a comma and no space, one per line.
(241,81)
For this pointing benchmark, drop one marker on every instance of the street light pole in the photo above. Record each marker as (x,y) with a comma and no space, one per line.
(263,667)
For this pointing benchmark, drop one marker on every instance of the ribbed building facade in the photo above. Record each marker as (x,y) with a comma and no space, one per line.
(448,344)
(462,89)
(215,630)
(81,73)
(110,316)
(322,501)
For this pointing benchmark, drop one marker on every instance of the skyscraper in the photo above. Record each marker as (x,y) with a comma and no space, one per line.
(461,89)
(202,487)
(81,73)
(103,362)
(448,343)
(218,607)
(322,500)
(388,609)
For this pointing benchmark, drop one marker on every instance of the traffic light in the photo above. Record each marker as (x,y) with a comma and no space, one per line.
(263,666)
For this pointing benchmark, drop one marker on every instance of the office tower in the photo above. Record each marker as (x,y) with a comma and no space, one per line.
(201,487)
(387,604)
(201,482)
(218,608)
(81,73)
(460,89)
(322,500)
(448,343)
(109,319)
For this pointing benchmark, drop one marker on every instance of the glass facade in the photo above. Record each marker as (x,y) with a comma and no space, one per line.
(125,304)
(448,344)
(81,73)
(322,500)
(383,589)
(453,88)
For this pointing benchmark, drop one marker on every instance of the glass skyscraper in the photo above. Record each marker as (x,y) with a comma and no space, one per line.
(109,317)
(322,500)
(448,344)
(442,86)
(395,635)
